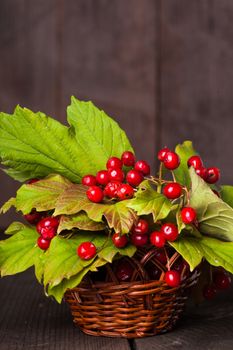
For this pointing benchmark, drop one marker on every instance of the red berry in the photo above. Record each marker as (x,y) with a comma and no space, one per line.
(195,161)
(86,250)
(111,188)
(202,172)
(172,190)
(172,278)
(134,177)
(171,160)
(161,256)
(47,227)
(102,177)
(89,180)
(162,153)
(32,181)
(43,243)
(124,191)
(143,167)
(209,292)
(114,163)
(116,175)
(124,271)
(158,239)
(139,239)
(213,175)
(95,194)
(119,240)
(142,227)
(188,215)
(128,158)
(222,280)
(170,231)
(33,217)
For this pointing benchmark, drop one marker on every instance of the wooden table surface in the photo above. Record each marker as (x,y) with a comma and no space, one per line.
(29,320)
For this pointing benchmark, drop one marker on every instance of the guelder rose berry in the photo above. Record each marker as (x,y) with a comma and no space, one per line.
(86,250)
(143,167)
(111,188)
(102,177)
(195,161)
(138,239)
(213,175)
(141,227)
(172,190)
(170,231)
(116,175)
(171,160)
(114,163)
(47,227)
(43,243)
(162,153)
(188,215)
(124,191)
(172,278)
(134,177)
(89,180)
(157,239)
(128,158)
(120,241)
(95,194)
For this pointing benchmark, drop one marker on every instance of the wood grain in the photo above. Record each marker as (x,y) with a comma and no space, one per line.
(209,326)
(29,320)
(197,78)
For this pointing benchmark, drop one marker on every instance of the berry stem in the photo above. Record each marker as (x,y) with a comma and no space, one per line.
(173,176)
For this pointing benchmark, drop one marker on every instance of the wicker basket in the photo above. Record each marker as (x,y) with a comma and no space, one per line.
(134,309)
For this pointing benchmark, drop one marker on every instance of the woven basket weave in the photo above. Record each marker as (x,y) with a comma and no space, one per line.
(134,309)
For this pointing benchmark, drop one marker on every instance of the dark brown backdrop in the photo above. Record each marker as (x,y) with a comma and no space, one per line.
(162,68)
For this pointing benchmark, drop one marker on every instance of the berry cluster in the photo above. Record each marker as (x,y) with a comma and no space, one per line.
(46,225)
(47,229)
(210,175)
(221,280)
(112,182)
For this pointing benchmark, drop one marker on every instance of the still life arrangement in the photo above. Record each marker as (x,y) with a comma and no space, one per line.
(121,243)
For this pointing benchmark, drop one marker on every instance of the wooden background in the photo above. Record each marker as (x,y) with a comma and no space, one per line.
(161,68)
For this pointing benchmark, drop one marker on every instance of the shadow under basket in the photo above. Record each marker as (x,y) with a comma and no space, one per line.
(139,308)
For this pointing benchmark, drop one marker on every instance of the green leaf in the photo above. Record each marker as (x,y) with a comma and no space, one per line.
(118,215)
(34,145)
(6,206)
(59,290)
(217,253)
(15,227)
(181,226)
(18,252)
(40,263)
(215,217)
(80,221)
(110,251)
(148,201)
(62,260)
(98,136)
(42,194)
(227,195)
(185,151)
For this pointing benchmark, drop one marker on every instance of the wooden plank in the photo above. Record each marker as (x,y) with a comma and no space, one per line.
(29,320)
(197,78)
(28,65)
(209,326)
